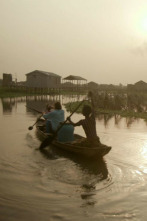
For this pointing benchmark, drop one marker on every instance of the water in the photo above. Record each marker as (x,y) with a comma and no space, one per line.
(52,185)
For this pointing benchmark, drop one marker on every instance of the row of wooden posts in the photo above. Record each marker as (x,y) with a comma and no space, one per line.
(45,90)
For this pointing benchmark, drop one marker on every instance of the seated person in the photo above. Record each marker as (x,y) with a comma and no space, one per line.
(47,124)
(54,118)
(66,133)
(48,109)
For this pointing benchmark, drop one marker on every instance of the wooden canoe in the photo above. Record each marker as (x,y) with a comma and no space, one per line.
(73,147)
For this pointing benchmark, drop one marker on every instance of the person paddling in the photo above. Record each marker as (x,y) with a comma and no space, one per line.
(88,124)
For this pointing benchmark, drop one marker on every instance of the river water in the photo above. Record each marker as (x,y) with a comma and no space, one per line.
(52,185)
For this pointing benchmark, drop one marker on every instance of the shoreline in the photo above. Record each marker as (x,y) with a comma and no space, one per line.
(110,113)
(11,93)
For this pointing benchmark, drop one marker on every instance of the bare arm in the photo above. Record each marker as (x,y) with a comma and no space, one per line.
(74,124)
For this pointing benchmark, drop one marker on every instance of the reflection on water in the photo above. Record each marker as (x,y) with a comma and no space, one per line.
(144,155)
(39,103)
(92,173)
(92,166)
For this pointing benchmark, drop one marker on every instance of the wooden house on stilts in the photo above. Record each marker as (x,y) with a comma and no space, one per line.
(74,83)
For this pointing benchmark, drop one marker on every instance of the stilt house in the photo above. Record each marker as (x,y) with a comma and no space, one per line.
(42,79)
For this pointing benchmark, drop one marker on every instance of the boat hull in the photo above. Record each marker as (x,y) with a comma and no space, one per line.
(73,147)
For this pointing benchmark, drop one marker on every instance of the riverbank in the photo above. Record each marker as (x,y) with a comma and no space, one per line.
(15,92)
(110,113)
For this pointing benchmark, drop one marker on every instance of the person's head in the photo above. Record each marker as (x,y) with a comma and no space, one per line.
(86,111)
(48,107)
(58,106)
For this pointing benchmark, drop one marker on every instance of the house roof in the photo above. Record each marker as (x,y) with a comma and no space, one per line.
(94,83)
(72,77)
(45,73)
(140,83)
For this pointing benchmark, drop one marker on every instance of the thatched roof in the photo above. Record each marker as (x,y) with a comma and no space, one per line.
(72,77)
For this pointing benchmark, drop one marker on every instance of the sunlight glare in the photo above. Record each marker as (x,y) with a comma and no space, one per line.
(144,151)
(138,23)
(144,24)
(144,154)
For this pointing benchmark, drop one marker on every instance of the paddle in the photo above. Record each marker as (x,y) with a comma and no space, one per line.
(50,139)
(31,127)
(40,112)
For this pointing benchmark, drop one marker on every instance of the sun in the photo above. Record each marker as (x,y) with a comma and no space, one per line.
(137,23)
(144,24)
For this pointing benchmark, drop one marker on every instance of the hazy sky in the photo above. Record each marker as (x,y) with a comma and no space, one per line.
(101,40)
